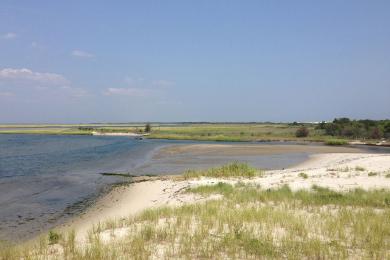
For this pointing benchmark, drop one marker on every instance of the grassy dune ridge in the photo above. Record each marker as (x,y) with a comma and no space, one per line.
(243,221)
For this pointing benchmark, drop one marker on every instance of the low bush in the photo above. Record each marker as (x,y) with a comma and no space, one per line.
(302,132)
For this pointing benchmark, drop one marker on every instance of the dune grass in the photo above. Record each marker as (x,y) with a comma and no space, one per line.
(248,223)
(232,170)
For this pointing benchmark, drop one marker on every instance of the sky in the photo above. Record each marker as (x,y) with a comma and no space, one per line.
(169,61)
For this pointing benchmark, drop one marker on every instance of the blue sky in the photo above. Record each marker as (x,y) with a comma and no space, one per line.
(121,61)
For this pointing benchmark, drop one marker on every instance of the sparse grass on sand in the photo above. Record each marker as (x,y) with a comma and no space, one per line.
(235,169)
(247,223)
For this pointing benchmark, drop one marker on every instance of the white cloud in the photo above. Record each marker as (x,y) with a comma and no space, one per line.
(9,74)
(134,92)
(26,82)
(82,54)
(140,87)
(9,36)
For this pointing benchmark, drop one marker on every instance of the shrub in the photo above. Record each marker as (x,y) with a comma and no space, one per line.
(148,128)
(303,175)
(359,168)
(336,142)
(302,132)
(53,237)
(376,133)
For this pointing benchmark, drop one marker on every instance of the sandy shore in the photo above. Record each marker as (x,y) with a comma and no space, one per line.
(119,134)
(252,149)
(338,171)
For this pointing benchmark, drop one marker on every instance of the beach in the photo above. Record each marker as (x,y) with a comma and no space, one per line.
(337,171)
(170,216)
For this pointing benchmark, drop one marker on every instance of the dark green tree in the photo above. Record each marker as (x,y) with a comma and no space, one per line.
(148,128)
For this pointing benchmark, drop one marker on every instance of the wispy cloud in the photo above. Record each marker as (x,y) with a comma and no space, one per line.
(82,54)
(133,92)
(139,87)
(28,81)
(9,36)
(10,74)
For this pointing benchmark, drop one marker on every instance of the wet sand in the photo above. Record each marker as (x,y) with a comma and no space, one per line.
(252,149)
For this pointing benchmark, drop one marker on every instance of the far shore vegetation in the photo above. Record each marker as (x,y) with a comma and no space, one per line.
(340,131)
(232,170)
(236,221)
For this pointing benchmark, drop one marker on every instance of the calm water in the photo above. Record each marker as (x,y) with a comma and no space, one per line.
(44,178)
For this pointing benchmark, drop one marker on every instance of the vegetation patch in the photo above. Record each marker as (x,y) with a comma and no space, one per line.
(248,223)
(359,169)
(336,142)
(303,175)
(232,170)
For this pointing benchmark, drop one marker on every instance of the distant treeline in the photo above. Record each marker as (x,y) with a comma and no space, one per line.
(367,129)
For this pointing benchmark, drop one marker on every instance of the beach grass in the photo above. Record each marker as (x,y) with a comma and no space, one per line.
(248,222)
(231,170)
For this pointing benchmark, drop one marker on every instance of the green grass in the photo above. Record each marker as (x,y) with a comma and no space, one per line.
(248,223)
(226,171)
(54,237)
(317,196)
(359,169)
(233,132)
(303,175)
(336,142)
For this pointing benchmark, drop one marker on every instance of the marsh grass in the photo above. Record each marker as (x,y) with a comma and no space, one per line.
(336,142)
(248,223)
(232,170)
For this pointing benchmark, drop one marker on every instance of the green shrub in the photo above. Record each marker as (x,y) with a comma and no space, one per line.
(336,142)
(302,132)
(303,175)
(359,168)
(148,128)
(53,237)
(235,169)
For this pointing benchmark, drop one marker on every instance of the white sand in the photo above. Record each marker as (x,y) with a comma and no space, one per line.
(118,134)
(327,170)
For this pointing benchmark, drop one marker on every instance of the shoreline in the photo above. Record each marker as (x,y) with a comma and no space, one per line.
(377,143)
(326,170)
